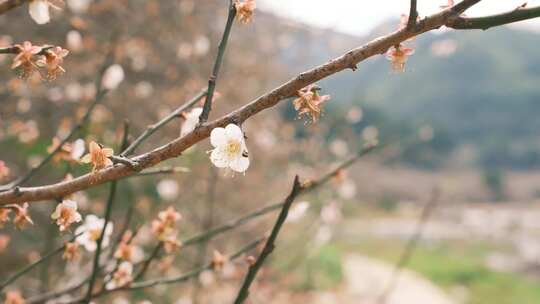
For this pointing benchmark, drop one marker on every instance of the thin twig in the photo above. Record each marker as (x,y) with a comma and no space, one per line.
(108,211)
(486,22)
(413,14)
(411,246)
(217,64)
(31,266)
(243,293)
(177,279)
(153,128)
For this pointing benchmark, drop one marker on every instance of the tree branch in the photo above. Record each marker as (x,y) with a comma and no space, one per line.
(484,23)
(288,89)
(153,128)
(217,64)
(270,243)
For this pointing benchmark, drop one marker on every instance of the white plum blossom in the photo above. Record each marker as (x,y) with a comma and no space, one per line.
(91,231)
(79,6)
(39,11)
(192,119)
(78,149)
(121,277)
(66,214)
(298,211)
(113,76)
(168,189)
(230,149)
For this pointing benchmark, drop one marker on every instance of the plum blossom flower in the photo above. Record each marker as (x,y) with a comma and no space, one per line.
(90,231)
(298,211)
(127,251)
(230,149)
(68,151)
(14,297)
(121,277)
(39,9)
(79,6)
(218,260)
(4,216)
(66,214)
(244,10)
(22,218)
(398,56)
(24,59)
(309,102)
(164,227)
(4,170)
(192,119)
(71,251)
(112,77)
(52,59)
(168,189)
(98,156)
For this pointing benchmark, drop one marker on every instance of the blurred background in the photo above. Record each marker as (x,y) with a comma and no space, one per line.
(461,121)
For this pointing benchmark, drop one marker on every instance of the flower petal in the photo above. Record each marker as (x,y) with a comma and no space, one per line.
(234,132)
(240,164)
(39,11)
(219,159)
(218,137)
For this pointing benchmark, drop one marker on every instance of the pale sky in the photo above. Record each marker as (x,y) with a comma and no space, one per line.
(360,16)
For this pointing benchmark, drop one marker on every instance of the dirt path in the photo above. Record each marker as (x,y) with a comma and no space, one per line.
(366,278)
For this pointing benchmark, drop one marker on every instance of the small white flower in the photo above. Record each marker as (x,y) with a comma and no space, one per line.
(331,213)
(113,76)
(298,211)
(121,277)
(77,149)
(66,214)
(39,11)
(91,231)
(79,6)
(192,119)
(230,149)
(168,189)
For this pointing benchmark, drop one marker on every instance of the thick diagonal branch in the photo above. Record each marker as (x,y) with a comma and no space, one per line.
(268,100)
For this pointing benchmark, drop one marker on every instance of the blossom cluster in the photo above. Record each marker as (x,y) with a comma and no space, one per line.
(30,58)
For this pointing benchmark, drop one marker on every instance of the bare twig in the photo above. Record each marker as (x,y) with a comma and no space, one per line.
(153,128)
(217,64)
(31,266)
(484,23)
(270,243)
(172,280)
(411,246)
(413,14)
(108,212)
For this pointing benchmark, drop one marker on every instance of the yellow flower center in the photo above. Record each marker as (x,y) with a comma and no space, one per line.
(233,148)
(95,234)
